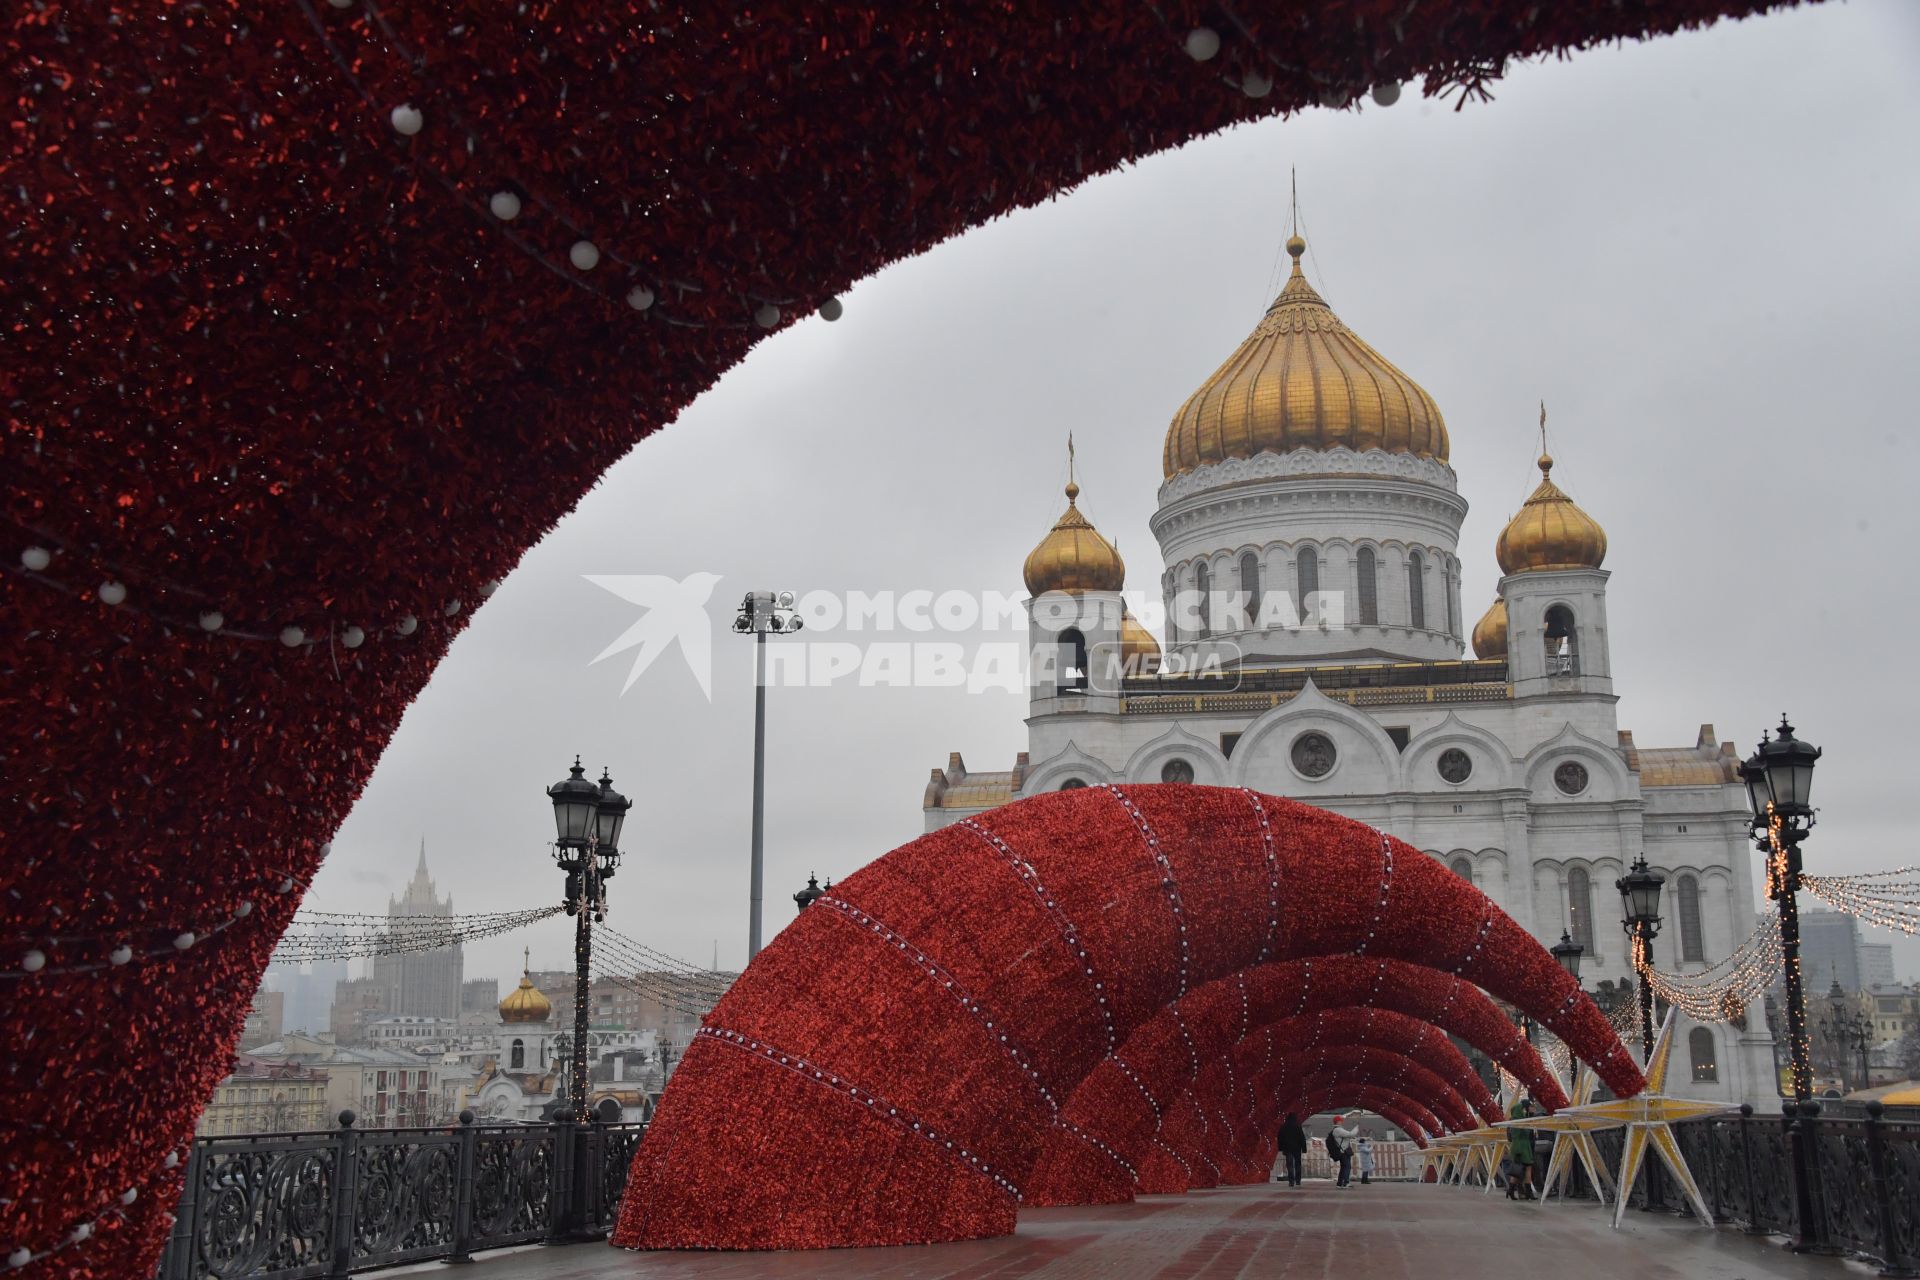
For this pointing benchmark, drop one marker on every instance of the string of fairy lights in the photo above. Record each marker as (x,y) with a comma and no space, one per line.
(1722,991)
(1890,899)
(349,935)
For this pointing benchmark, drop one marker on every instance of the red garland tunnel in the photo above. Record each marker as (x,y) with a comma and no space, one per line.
(915,1040)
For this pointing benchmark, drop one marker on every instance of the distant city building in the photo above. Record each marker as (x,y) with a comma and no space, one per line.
(1829,951)
(265,1018)
(308,987)
(1876,965)
(522,1072)
(263,1096)
(422,983)
(384,1088)
(356,1002)
(479,996)
(411,1032)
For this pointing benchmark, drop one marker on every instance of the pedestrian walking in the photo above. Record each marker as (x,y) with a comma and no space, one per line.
(1293,1145)
(1520,1154)
(1363,1154)
(1340,1141)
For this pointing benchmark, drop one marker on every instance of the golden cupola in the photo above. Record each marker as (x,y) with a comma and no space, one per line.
(1139,651)
(1490,633)
(1550,532)
(1073,556)
(525,1003)
(1303,380)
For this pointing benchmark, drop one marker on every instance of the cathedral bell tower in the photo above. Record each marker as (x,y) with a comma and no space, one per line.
(1553,597)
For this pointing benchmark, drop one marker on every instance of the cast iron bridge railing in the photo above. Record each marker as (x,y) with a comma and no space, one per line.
(1860,1174)
(289,1205)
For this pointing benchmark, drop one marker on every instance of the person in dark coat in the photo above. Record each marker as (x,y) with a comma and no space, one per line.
(1293,1145)
(1520,1154)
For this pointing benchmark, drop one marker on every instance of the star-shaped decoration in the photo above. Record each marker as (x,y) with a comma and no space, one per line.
(1648,1117)
(1575,1131)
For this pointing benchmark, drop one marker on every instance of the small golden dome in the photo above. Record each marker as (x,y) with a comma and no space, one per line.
(525,1003)
(1303,380)
(1139,651)
(1490,633)
(1073,556)
(1550,532)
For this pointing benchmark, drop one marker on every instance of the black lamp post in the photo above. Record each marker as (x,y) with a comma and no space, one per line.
(1849,1035)
(761,613)
(1640,900)
(809,895)
(1567,954)
(587,818)
(1779,778)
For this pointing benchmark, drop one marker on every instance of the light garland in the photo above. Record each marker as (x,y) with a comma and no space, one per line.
(343,935)
(1881,898)
(1721,992)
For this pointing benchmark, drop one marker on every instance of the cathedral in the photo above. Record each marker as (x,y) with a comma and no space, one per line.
(1309,522)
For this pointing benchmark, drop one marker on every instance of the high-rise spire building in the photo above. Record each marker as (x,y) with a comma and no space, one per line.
(423,983)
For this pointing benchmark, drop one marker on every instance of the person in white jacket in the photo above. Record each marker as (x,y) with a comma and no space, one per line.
(1340,1141)
(1363,1148)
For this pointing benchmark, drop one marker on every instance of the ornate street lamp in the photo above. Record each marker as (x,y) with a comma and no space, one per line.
(1640,901)
(761,613)
(1567,954)
(1779,778)
(809,895)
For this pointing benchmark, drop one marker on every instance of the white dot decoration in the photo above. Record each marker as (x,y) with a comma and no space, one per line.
(504,205)
(292,637)
(1203,43)
(450,608)
(286,886)
(585,255)
(353,637)
(19,1257)
(1387,92)
(1255,85)
(832,309)
(407,120)
(129,1195)
(407,625)
(182,941)
(212,620)
(488,587)
(112,593)
(36,558)
(1335,98)
(242,911)
(120,954)
(640,297)
(34,961)
(767,315)
(173,1160)
(83,1231)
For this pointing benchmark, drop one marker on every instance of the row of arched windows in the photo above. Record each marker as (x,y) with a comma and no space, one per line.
(1253,588)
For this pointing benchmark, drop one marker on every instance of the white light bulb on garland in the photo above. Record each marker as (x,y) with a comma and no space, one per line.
(585,255)
(353,637)
(120,954)
(129,1195)
(767,315)
(242,911)
(286,886)
(1335,98)
(1387,92)
(640,297)
(20,1257)
(292,637)
(407,625)
(172,1161)
(488,587)
(1203,43)
(1255,85)
(831,309)
(184,940)
(504,205)
(82,1231)
(112,592)
(212,620)
(36,558)
(407,120)
(34,961)
(451,607)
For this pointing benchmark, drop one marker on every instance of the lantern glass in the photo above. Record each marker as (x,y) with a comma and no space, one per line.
(1789,763)
(1759,794)
(1640,893)
(1568,953)
(610,816)
(575,801)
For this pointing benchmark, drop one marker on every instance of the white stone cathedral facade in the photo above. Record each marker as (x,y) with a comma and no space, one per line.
(1308,522)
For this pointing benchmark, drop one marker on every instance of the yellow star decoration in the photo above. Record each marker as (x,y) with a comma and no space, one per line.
(1648,1118)
(1575,1139)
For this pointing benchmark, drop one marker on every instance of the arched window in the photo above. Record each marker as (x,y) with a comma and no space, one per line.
(1072,784)
(1250,586)
(1203,583)
(1417,591)
(1307,568)
(1580,907)
(1706,1070)
(1691,946)
(1072,657)
(517,1059)
(1453,608)
(1369,587)
(1462,866)
(1563,644)
(1170,591)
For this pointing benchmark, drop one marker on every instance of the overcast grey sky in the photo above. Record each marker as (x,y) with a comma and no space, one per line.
(1701,252)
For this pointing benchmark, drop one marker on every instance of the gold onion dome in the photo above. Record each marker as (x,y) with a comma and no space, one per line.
(1550,532)
(1139,651)
(1073,556)
(1303,380)
(525,1003)
(1490,633)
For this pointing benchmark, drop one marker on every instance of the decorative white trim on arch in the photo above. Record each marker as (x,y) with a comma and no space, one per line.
(1209,766)
(1308,462)
(1305,710)
(1070,762)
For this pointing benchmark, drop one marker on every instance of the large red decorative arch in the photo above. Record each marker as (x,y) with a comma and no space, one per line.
(299,292)
(910,1040)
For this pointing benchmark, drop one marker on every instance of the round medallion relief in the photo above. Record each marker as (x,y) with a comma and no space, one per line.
(1176,770)
(1313,754)
(1571,777)
(1455,765)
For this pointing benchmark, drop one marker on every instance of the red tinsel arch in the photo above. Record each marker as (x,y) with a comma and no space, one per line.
(244,525)
(910,1038)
